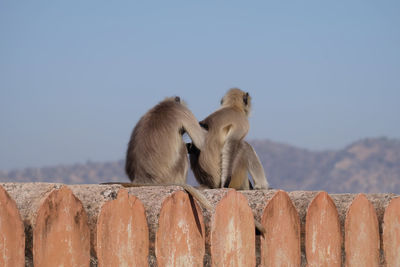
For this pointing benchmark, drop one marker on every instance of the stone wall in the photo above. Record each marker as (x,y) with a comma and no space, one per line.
(45,224)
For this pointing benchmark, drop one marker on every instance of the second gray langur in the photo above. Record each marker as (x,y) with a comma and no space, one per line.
(226,157)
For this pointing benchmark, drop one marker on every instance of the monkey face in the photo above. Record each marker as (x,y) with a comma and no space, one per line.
(246,98)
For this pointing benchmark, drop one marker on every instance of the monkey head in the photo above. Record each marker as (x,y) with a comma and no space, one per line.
(237,98)
(175,99)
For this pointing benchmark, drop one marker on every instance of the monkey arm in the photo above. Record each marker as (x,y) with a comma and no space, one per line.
(193,129)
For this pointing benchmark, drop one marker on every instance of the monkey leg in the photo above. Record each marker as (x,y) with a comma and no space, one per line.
(246,160)
(239,179)
(255,167)
(229,157)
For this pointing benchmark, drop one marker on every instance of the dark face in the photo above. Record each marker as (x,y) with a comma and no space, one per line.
(246,98)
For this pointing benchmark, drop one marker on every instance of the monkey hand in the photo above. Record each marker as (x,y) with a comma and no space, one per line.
(192,149)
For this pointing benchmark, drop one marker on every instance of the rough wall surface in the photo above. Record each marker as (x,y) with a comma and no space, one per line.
(163,225)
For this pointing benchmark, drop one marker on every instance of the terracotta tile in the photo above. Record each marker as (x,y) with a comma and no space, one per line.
(361,234)
(122,232)
(391,233)
(12,236)
(281,244)
(233,232)
(323,239)
(180,234)
(61,233)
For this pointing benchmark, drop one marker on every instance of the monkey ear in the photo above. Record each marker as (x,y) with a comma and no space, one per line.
(246,98)
(177,99)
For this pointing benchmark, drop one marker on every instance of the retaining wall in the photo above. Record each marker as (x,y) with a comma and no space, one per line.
(45,224)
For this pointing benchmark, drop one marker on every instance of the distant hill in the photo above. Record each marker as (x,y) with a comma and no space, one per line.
(87,173)
(368,165)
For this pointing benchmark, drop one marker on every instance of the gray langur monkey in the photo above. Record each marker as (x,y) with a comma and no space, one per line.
(226,157)
(156,153)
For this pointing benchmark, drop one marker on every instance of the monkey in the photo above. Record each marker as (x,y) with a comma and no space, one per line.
(156,153)
(226,127)
(226,158)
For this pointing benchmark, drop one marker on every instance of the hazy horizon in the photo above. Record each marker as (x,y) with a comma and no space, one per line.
(76,76)
(122,156)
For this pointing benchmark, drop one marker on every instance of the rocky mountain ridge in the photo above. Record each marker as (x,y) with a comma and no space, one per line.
(369,165)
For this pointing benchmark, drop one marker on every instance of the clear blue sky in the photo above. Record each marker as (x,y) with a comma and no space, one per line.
(75,76)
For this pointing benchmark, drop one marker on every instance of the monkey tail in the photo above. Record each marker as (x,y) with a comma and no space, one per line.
(259,227)
(197,195)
